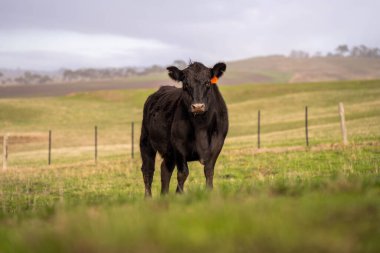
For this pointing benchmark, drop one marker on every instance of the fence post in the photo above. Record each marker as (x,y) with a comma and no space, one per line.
(132,139)
(306,126)
(258,129)
(49,156)
(96,144)
(343,124)
(5,152)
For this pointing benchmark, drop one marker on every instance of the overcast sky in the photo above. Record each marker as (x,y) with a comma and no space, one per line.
(51,34)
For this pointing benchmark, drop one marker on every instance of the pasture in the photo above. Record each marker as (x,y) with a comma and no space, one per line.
(282,198)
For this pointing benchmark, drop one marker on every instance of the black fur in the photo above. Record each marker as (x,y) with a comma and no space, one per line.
(172,128)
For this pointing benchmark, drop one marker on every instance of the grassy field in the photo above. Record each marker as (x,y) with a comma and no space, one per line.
(282,198)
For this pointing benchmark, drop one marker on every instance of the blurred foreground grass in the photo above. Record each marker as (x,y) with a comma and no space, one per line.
(296,201)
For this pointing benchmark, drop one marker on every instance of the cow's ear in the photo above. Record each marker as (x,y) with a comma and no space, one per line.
(218,69)
(175,73)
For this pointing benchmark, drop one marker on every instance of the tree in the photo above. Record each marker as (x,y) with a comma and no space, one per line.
(355,51)
(68,75)
(342,50)
(376,52)
(20,80)
(45,79)
(298,54)
(364,51)
(373,52)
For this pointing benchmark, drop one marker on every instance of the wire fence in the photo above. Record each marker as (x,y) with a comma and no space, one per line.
(127,149)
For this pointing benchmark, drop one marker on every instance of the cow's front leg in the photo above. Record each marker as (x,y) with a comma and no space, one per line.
(203,146)
(216,145)
(182,174)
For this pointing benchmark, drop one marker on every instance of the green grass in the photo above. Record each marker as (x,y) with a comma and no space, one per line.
(282,198)
(293,201)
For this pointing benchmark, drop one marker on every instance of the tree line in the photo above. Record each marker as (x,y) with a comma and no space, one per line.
(108,73)
(85,74)
(26,78)
(341,51)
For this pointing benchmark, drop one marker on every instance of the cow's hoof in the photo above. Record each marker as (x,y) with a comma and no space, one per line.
(179,190)
(148,194)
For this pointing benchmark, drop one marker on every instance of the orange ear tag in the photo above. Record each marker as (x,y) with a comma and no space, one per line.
(214,80)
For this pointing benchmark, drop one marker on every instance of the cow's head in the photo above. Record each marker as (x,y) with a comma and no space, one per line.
(197,80)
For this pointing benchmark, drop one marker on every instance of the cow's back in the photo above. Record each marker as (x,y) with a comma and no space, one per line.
(158,117)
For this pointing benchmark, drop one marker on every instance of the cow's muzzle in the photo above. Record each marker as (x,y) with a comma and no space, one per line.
(198,108)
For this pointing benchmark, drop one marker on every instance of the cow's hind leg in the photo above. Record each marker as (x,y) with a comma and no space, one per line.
(148,155)
(182,174)
(167,167)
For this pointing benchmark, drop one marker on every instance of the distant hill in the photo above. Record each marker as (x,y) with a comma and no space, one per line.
(269,69)
(280,69)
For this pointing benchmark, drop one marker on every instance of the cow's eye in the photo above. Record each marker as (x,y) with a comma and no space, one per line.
(208,83)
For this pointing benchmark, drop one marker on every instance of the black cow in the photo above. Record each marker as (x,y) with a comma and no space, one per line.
(184,124)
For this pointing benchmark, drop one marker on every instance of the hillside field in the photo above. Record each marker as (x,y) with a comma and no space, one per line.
(283,197)
(266,69)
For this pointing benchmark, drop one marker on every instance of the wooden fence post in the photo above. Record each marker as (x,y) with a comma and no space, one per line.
(306,126)
(132,139)
(258,129)
(96,144)
(343,124)
(5,152)
(49,156)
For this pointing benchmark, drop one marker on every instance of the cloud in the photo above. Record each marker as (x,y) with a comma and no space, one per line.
(203,30)
(50,49)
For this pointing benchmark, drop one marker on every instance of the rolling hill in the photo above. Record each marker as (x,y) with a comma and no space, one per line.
(279,69)
(269,69)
